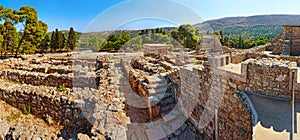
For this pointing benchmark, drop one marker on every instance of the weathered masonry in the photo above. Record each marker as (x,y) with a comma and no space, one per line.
(291,45)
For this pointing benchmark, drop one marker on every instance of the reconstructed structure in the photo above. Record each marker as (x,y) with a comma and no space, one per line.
(156,49)
(289,42)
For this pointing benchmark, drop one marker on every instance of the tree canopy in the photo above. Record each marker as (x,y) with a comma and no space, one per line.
(31,34)
(187,35)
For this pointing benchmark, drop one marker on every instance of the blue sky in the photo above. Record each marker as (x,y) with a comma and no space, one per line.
(95,15)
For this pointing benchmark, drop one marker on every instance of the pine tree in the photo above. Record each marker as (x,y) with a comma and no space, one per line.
(33,31)
(9,36)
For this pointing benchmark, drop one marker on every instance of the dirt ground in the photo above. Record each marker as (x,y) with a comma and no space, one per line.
(13,115)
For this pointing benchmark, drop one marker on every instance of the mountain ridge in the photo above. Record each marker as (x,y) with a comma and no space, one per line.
(248,21)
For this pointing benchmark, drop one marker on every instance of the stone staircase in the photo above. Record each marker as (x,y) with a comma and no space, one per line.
(160,93)
(167,103)
(172,125)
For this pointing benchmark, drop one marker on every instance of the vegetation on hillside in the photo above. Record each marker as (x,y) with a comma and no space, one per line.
(252,21)
(247,32)
(241,42)
(255,32)
(186,35)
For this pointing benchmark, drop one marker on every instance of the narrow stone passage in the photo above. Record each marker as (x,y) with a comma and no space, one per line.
(169,124)
(136,115)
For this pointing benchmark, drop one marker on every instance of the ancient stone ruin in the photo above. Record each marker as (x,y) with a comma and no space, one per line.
(288,43)
(120,96)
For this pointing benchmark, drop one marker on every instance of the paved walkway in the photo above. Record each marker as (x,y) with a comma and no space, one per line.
(274,118)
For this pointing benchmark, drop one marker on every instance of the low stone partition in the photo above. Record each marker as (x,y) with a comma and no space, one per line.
(216,110)
(238,57)
(147,66)
(45,68)
(54,80)
(60,69)
(52,62)
(281,57)
(47,103)
(11,61)
(270,77)
(66,62)
(241,55)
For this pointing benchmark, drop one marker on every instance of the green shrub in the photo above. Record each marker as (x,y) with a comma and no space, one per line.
(63,88)
(26,109)
(196,63)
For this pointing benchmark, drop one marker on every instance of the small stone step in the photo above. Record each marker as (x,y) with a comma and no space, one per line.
(167,101)
(161,80)
(166,129)
(155,133)
(168,117)
(162,96)
(157,91)
(176,123)
(174,111)
(161,90)
(167,108)
(153,100)
(158,85)
(156,80)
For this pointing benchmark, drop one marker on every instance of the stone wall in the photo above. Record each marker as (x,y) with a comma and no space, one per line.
(281,57)
(96,111)
(270,77)
(277,44)
(52,79)
(216,110)
(241,55)
(291,45)
(238,58)
(47,103)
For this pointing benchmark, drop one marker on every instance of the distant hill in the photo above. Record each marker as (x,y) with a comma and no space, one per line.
(255,26)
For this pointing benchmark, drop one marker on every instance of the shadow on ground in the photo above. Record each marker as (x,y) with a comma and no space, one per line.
(276,113)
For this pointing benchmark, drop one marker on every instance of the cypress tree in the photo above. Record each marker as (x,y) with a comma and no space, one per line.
(61,41)
(71,43)
(53,41)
